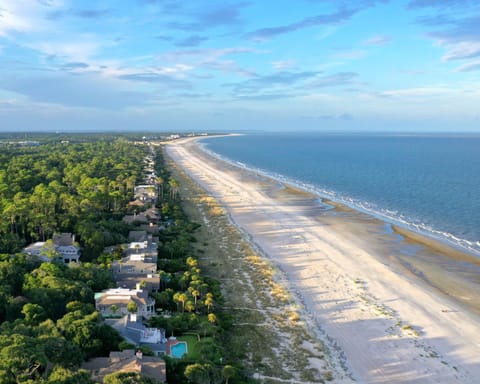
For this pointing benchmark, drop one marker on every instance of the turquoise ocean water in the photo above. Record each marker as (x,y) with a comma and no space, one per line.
(427,183)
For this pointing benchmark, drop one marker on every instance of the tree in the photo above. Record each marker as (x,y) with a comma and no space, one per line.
(113,309)
(159,182)
(61,351)
(212,318)
(195,295)
(191,262)
(180,297)
(228,372)
(127,378)
(62,375)
(197,373)
(21,358)
(49,250)
(132,307)
(34,313)
(209,301)
(174,186)
(189,306)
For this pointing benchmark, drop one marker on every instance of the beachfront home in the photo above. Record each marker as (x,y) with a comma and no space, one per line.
(145,193)
(62,245)
(127,266)
(143,250)
(136,333)
(127,361)
(117,301)
(135,218)
(149,282)
(140,235)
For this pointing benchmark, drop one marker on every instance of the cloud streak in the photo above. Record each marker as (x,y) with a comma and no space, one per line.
(213,16)
(191,41)
(313,21)
(378,40)
(279,79)
(441,3)
(75,91)
(80,13)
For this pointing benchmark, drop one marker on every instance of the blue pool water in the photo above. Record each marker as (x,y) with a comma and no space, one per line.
(178,350)
(427,183)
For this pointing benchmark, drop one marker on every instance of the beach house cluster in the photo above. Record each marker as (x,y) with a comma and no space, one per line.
(145,196)
(135,275)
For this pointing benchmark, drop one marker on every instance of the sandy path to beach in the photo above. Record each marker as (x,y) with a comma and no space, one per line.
(390,328)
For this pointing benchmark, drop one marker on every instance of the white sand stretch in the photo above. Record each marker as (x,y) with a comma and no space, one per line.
(389,327)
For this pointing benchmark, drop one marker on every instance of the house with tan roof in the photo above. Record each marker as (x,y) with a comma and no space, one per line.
(127,361)
(115,301)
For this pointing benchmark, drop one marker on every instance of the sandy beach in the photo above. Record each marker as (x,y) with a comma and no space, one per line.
(368,305)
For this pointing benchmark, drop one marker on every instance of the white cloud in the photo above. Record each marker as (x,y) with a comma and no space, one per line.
(282,65)
(469,67)
(377,40)
(463,50)
(24,15)
(82,49)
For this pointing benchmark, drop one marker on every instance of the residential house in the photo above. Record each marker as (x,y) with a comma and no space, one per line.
(115,301)
(134,332)
(62,245)
(149,216)
(127,361)
(149,282)
(126,266)
(145,193)
(138,236)
(135,218)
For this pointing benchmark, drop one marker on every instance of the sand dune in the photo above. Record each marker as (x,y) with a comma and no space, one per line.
(391,327)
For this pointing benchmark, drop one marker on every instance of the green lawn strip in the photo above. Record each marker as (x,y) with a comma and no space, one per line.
(192,343)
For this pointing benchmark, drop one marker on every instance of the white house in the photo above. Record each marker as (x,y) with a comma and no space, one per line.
(62,244)
(115,301)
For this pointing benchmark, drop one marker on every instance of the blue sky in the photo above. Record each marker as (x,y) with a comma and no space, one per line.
(411,65)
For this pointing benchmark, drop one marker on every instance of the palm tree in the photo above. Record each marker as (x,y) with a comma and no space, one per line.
(228,372)
(212,318)
(189,306)
(180,297)
(209,301)
(195,295)
(159,181)
(191,262)
(174,186)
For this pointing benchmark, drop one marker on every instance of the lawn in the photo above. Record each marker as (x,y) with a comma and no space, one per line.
(192,343)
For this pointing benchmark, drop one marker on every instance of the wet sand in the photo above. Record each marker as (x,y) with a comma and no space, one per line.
(376,294)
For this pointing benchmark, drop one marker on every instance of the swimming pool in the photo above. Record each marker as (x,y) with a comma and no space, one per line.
(178,350)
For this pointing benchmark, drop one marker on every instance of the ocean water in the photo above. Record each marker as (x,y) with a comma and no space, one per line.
(426,183)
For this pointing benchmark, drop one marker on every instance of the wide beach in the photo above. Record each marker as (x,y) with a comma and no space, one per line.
(392,323)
